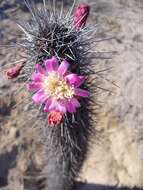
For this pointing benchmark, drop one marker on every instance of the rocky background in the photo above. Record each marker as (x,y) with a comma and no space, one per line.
(115,160)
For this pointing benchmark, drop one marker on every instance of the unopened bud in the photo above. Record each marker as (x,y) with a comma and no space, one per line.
(80,15)
(14,71)
(55,118)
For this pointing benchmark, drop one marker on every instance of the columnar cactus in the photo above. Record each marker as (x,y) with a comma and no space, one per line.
(58,72)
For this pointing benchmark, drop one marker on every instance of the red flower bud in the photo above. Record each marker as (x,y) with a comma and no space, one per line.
(55,118)
(14,71)
(81,15)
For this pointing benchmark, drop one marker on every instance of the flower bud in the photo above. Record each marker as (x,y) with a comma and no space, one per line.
(55,118)
(80,15)
(13,72)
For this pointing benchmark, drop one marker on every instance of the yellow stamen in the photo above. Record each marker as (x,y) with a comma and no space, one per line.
(55,86)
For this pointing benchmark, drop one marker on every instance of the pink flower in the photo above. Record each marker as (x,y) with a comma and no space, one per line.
(55,117)
(81,15)
(56,88)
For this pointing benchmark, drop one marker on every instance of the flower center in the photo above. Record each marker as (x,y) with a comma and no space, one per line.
(56,86)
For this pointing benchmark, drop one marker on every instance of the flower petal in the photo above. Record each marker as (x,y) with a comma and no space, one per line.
(53,105)
(75,102)
(39,97)
(72,104)
(61,106)
(51,64)
(63,67)
(81,92)
(34,86)
(70,107)
(75,80)
(37,77)
(48,103)
(40,69)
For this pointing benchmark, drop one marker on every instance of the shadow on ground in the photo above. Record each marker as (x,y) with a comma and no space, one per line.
(84,186)
(7,161)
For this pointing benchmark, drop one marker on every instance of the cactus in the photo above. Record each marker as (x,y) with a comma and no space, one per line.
(50,40)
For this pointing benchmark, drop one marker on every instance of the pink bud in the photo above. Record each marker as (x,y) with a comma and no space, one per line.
(55,118)
(80,15)
(14,71)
